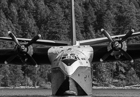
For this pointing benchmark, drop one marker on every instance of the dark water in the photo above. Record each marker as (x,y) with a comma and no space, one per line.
(68,96)
(46,93)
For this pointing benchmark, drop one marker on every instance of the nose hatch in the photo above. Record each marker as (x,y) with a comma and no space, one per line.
(68,62)
(70,88)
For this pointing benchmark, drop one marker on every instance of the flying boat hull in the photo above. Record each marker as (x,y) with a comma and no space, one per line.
(71,70)
(79,83)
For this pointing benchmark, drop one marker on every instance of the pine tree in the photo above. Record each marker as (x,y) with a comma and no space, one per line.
(3,23)
(108,21)
(57,27)
(16,75)
(3,4)
(13,14)
(5,71)
(89,21)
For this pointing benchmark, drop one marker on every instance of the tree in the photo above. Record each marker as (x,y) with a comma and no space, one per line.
(89,21)
(100,9)
(5,71)
(30,6)
(108,21)
(19,3)
(103,74)
(13,14)
(57,26)
(125,17)
(28,24)
(3,23)
(3,4)
(16,75)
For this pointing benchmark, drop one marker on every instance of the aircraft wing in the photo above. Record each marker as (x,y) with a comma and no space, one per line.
(25,53)
(40,55)
(102,40)
(39,41)
(100,50)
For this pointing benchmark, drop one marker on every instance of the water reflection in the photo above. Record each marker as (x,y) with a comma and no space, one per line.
(72,96)
(68,96)
(54,96)
(46,93)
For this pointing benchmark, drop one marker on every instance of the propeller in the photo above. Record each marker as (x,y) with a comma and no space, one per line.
(117,46)
(107,35)
(23,51)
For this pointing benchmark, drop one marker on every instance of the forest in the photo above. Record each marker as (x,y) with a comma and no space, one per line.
(52,19)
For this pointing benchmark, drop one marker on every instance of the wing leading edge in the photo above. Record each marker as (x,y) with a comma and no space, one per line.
(40,54)
(102,40)
(25,53)
(39,41)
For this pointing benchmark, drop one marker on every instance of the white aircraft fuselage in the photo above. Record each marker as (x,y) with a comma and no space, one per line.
(71,70)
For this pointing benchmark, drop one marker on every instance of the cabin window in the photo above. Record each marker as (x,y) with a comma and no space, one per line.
(64,56)
(71,56)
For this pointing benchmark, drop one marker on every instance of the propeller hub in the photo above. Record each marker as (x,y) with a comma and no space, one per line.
(30,50)
(116,45)
(23,48)
(23,51)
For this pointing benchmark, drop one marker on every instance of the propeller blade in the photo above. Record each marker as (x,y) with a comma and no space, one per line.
(10,59)
(107,35)
(128,35)
(13,37)
(21,58)
(33,40)
(106,56)
(127,55)
(32,60)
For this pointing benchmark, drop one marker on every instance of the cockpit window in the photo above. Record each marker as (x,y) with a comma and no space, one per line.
(71,56)
(64,56)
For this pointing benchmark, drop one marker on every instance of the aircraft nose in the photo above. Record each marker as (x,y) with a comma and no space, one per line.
(69,66)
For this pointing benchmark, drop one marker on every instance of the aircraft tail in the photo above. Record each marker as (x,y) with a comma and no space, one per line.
(73,34)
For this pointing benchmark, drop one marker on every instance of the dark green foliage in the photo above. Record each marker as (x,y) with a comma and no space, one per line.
(52,19)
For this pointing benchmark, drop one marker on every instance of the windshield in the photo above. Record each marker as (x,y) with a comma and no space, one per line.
(69,56)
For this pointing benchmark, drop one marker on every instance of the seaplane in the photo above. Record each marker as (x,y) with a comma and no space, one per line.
(71,62)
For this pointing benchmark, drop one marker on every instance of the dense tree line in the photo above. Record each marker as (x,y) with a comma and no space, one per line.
(51,18)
